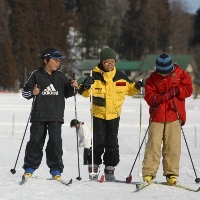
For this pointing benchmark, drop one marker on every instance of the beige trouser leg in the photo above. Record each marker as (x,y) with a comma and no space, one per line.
(153,149)
(170,133)
(171,148)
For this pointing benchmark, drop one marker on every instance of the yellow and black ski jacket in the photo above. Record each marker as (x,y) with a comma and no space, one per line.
(108,92)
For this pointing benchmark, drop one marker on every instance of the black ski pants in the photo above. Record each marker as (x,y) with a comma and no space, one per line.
(34,148)
(105,142)
(85,156)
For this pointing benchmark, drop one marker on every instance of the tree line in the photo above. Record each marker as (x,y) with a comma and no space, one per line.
(81,28)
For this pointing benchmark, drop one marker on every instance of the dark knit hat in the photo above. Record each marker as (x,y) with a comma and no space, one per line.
(52,53)
(106,54)
(74,122)
(164,64)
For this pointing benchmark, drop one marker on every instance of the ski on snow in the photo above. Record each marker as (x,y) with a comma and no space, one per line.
(67,183)
(102,180)
(24,180)
(143,185)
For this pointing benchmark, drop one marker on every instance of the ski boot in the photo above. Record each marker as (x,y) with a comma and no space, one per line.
(93,174)
(28,173)
(147,179)
(56,175)
(171,179)
(109,173)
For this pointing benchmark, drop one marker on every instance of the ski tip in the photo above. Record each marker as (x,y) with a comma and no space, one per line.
(137,186)
(198,190)
(23,178)
(70,181)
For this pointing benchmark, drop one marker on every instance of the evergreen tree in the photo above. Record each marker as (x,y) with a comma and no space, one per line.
(181,26)
(51,27)
(133,38)
(196,35)
(115,11)
(8,65)
(146,28)
(36,25)
(51,24)
(157,28)
(24,44)
(195,42)
(71,9)
(92,23)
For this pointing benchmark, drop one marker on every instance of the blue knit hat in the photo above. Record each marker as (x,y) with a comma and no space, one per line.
(164,64)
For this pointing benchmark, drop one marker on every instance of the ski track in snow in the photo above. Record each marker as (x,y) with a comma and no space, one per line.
(11,134)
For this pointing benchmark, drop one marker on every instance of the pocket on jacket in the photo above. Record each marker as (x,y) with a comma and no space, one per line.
(99,101)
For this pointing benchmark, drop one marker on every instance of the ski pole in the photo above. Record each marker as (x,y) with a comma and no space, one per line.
(91,110)
(140,126)
(129,178)
(13,171)
(75,92)
(197,180)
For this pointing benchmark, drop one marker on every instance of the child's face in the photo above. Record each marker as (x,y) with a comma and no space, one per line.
(52,65)
(109,64)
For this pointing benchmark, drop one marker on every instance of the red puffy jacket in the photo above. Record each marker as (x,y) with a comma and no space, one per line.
(157,84)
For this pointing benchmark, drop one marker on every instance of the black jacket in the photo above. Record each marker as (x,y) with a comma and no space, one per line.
(49,105)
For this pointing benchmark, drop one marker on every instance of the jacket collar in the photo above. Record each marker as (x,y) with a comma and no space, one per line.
(107,76)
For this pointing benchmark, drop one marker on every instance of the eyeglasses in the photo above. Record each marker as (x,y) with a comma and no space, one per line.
(56,59)
(109,62)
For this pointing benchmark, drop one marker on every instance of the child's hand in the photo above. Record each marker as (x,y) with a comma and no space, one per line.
(74,83)
(36,90)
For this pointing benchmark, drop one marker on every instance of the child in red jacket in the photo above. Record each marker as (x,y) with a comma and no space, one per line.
(165,91)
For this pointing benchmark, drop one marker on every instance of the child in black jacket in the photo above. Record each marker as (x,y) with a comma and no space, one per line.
(48,87)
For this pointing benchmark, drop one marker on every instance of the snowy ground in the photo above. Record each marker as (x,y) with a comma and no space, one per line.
(14,113)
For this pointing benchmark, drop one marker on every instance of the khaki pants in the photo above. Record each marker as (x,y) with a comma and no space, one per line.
(168,133)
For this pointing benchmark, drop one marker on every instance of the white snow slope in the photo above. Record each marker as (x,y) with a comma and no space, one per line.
(14,113)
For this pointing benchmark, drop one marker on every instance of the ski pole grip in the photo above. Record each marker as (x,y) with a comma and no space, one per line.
(73,75)
(75,88)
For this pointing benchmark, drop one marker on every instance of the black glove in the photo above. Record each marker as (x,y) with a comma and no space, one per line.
(88,82)
(139,84)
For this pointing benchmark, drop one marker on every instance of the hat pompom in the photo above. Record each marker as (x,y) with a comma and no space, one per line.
(164,64)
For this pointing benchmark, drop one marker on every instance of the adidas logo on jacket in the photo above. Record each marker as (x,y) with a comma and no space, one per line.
(50,90)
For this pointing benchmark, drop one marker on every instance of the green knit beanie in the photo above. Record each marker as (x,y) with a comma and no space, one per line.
(106,54)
